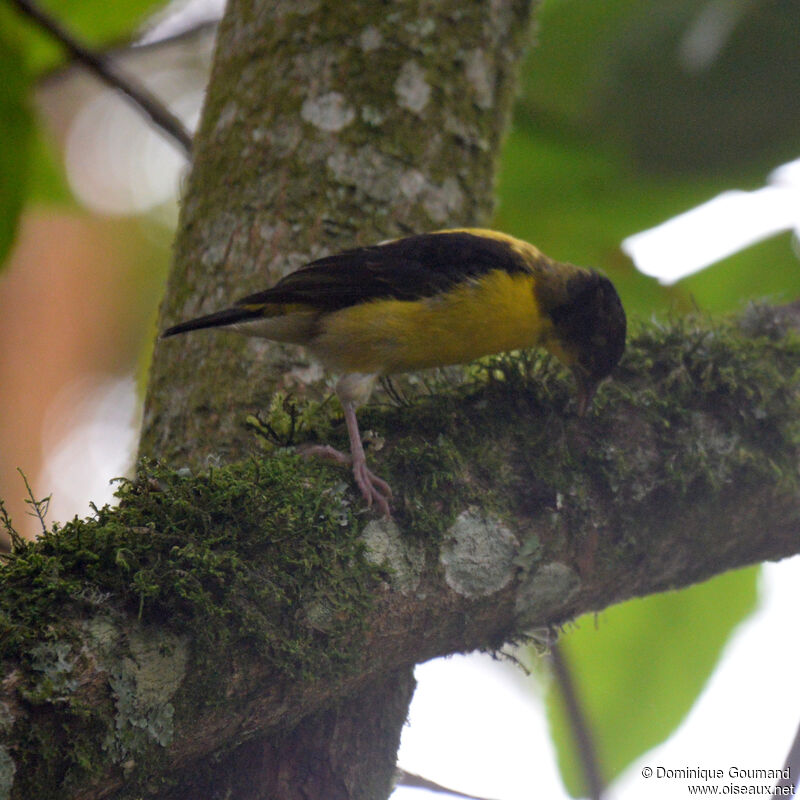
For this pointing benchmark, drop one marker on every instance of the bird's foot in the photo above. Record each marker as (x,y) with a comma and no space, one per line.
(374,489)
(324,451)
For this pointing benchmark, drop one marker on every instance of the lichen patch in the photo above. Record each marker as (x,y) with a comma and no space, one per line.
(386,547)
(411,87)
(478,554)
(329,112)
(545,593)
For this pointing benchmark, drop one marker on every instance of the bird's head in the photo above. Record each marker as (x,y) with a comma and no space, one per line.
(589,332)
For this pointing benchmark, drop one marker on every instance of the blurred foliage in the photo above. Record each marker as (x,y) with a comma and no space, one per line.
(93,22)
(29,169)
(47,181)
(631,111)
(767,270)
(16,128)
(681,86)
(641,665)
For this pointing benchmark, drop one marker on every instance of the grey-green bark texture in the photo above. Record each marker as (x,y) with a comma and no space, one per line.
(327,124)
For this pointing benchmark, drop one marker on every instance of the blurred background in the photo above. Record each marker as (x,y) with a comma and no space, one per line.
(658,140)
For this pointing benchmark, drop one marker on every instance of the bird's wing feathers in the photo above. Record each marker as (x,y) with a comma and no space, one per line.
(405,269)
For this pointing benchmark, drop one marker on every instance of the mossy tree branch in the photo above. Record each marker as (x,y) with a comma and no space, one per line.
(211,627)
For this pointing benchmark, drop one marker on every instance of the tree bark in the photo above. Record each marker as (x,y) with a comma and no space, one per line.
(163,653)
(310,143)
(327,124)
(347,751)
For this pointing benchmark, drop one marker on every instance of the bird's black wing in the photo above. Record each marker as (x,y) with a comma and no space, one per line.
(404,269)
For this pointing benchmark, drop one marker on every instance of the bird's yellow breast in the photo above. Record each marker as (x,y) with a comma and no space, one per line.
(492,314)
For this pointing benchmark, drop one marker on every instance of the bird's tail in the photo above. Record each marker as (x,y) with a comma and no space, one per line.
(228,316)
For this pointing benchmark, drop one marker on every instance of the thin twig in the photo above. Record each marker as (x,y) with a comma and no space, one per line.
(15,541)
(404,778)
(40,507)
(108,72)
(581,731)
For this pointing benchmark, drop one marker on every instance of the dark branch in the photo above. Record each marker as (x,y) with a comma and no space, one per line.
(108,72)
(792,765)
(418,782)
(581,730)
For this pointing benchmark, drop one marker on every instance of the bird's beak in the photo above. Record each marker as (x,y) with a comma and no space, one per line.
(585,391)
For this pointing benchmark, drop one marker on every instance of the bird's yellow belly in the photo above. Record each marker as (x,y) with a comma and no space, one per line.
(494,314)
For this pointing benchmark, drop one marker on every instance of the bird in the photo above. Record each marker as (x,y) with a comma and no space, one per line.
(428,300)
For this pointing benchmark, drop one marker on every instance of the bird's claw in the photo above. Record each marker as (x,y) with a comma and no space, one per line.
(374,489)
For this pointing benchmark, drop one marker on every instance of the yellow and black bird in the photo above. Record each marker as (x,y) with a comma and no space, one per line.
(428,300)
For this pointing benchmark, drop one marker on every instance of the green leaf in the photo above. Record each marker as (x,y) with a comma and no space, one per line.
(47,182)
(679,86)
(16,127)
(639,667)
(768,271)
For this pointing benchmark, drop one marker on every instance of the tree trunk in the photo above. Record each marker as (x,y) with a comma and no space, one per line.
(327,125)
(310,143)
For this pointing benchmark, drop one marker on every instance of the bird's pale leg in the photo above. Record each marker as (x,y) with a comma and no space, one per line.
(372,487)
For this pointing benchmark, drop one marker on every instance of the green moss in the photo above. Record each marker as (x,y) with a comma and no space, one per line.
(734,397)
(55,752)
(240,559)
(694,405)
(232,555)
